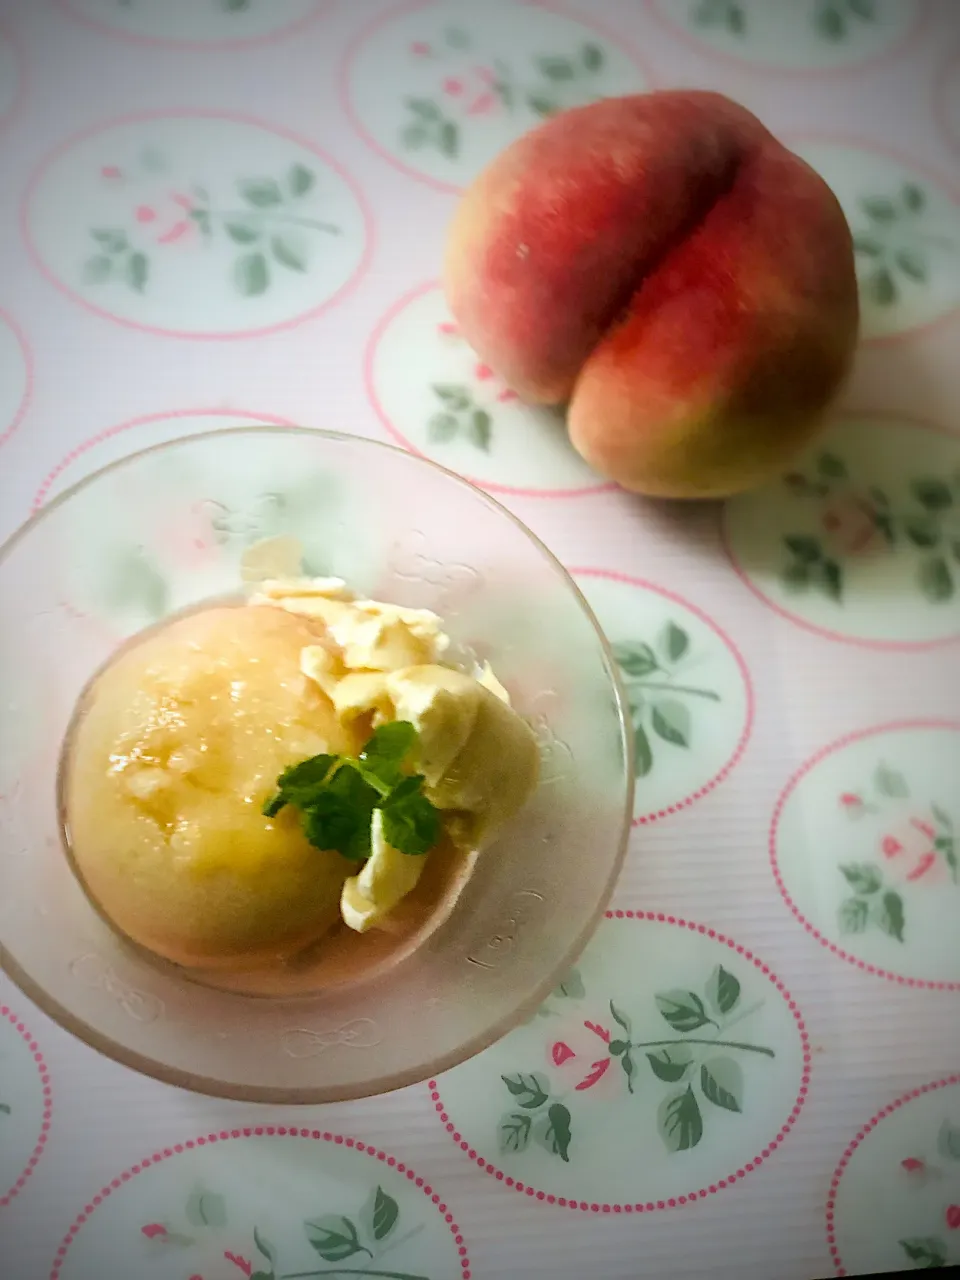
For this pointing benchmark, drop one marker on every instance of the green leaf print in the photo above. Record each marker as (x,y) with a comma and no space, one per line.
(805,549)
(288,253)
(670,718)
(137,584)
(252,275)
(205,1209)
(460,417)
(620,1018)
(300,180)
(642,752)
(913,264)
(723,990)
(679,1121)
(720,13)
(541,105)
(449,139)
(928,1252)
(513,1132)
(265,1248)
(890,782)
(5,1109)
(829,579)
(635,659)
(831,467)
(97,269)
(852,915)
(113,241)
(880,288)
(683,1010)
(862,877)
(923,531)
(531,1090)
(721,1080)
(672,722)
(948,1141)
(571,988)
(137,271)
(386,1211)
(671,1064)
(674,642)
(552,1132)
(889,915)
(932,493)
(456,38)
(555,68)
(335,1238)
(262,193)
(242,232)
(591,55)
(935,579)
(480,429)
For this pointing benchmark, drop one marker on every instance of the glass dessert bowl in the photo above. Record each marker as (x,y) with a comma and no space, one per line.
(147,964)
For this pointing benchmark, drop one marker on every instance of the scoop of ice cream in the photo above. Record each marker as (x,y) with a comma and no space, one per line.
(179,743)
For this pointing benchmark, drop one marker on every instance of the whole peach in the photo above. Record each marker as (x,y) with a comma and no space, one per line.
(670,270)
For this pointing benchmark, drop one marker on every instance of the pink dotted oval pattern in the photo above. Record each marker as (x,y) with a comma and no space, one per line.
(26,1104)
(687,686)
(438,88)
(436,398)
(859,540)
(669,1065)
(894,1200)
(202,24)
(197,224)
(803,36)
(269,1201)
(865,849)
(16,376)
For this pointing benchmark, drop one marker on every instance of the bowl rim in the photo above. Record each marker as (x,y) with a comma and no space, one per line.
(317,1095)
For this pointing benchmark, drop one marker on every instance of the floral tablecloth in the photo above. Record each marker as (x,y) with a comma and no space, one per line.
(225,211)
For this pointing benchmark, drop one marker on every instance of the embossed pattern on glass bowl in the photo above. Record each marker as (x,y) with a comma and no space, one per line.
(165,529)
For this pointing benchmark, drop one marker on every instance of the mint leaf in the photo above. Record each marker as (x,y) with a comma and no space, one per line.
(332,823)
(298,784)
(381,760)
(410,822)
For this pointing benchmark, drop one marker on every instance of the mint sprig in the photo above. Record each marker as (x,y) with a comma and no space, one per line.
(336,797)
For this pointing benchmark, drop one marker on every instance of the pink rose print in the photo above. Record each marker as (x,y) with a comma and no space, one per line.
(693,1057)
(265,225)
(914,848)
(952,1217)
(154,1230)
(468,89)
(911,854)
(850,525)
(855,523)
(582,1056)
(169,218)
